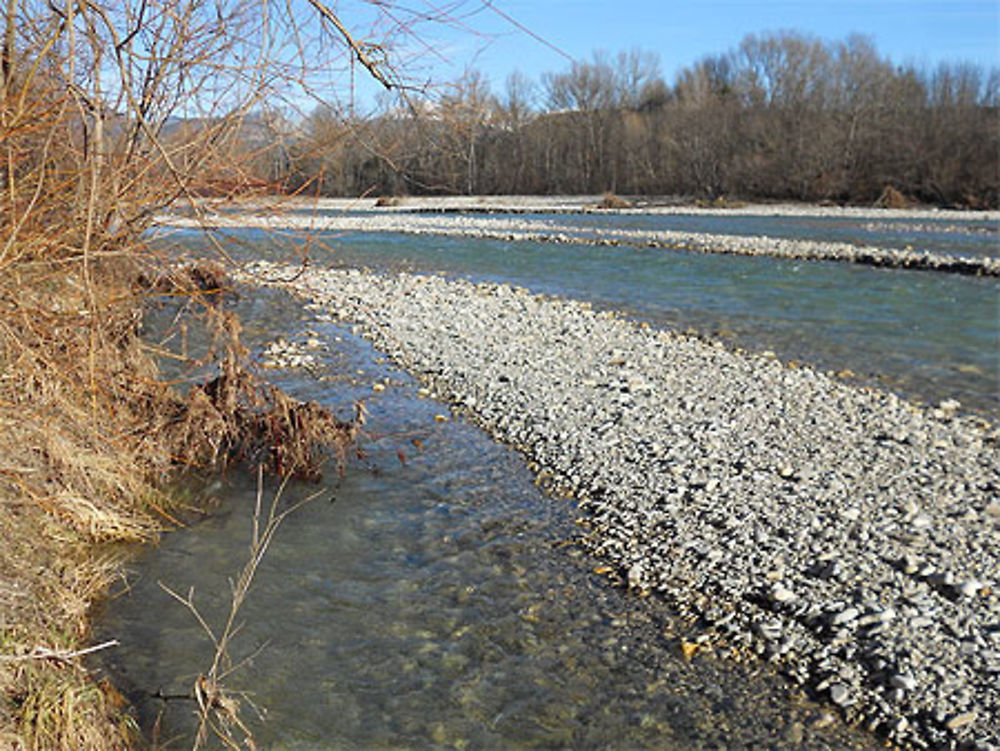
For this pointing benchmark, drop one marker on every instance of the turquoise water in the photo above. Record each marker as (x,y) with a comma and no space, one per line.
(927,336)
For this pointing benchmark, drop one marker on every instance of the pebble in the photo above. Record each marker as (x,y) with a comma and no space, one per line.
(840,695)
(844,616)
(903,681)
(780,594)
(770,630)
(969,588)
(961,720)
(636,576)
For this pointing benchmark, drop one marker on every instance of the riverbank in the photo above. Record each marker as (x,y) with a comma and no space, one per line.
(845,534)
(78,470)
(485,218)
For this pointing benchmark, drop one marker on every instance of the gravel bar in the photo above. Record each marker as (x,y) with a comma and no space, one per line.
(521,229)
(589,204)
(848,536)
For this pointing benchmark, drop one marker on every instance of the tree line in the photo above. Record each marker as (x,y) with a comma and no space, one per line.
(782,116)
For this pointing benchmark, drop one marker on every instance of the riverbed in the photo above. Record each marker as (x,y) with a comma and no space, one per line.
(930,337)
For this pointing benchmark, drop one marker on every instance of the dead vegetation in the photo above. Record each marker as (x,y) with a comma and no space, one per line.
(89,435)
(89,431)
(719,202)
(611,201)
(891,198)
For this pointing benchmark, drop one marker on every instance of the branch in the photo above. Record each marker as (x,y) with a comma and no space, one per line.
(358,50)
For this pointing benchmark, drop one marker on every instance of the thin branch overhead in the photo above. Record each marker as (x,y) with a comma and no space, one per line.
(358,49)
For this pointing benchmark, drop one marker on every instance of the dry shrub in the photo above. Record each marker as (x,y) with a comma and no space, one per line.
(234,417)
(89,432)
(91,146)
(195,279)
(892,199)
(610,201)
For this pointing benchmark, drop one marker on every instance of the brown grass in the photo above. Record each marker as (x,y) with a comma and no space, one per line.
(892,199)
(88,436)
(719,202)
(89,432)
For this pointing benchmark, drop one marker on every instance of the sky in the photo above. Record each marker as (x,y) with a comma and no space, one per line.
(496,36)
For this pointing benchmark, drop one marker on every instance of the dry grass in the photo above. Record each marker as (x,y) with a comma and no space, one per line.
(77,470)
(892,199)
(90,148)
(89,433)
(719,202)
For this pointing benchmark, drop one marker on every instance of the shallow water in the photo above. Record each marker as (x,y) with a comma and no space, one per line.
(435,604)
(927,336)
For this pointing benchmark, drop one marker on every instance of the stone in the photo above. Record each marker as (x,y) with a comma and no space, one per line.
(780,594)
(845,616)
(636,576)
(770,630)
(903,681)
(873,507)
(958,721)
(969,588)
(840,695)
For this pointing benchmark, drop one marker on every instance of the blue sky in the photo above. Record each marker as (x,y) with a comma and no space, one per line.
(922,32)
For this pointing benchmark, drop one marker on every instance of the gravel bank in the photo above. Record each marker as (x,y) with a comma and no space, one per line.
(845,534)
(516,228)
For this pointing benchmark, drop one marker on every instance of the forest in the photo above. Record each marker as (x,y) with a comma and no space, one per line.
(783,116)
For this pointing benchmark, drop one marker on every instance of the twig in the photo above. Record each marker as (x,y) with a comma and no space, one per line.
(358,50)
(60,655)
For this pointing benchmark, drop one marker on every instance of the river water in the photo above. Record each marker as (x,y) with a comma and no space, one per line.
(433,597)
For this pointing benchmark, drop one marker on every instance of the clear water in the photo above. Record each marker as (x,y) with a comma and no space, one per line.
(927,336)
(437,603)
